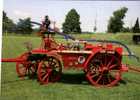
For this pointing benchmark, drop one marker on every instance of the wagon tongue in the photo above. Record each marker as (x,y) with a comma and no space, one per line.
(12,60)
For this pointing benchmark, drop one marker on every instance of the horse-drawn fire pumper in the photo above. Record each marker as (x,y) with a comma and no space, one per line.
(101,63)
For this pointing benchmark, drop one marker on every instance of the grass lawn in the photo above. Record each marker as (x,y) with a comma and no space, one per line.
(73,85)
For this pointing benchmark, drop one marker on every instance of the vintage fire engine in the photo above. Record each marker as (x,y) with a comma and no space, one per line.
(101,62)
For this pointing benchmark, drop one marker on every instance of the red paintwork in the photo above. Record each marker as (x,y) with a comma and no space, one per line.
(12,60)
(71,60)
(74,57)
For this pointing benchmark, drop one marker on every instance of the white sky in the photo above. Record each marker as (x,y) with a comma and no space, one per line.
(88,10)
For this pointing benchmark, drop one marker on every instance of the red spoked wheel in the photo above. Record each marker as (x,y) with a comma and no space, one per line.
(104,70)
(32,69)
(49,70)
(21,67)
(25,68)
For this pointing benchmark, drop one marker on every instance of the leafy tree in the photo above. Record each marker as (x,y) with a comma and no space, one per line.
(24,26)
(72,22)
(126,29)
(7,24)
(136,28)
(116,21)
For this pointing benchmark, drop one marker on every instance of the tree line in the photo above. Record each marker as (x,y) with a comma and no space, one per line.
(72,23)
(23,26)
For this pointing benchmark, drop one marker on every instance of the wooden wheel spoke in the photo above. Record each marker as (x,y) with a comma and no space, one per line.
(101,64)
(42,73)
(112,66)
(44,68)
(99,78)
(110,62)
(25,70)
(45,76)
(32,71)
(113,73)
(94,75)
(31,68)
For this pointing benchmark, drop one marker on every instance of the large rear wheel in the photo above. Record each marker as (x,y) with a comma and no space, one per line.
(103,70)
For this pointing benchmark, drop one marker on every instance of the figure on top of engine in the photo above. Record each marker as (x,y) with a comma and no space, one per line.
(44,29)
(47,34)
(46,23)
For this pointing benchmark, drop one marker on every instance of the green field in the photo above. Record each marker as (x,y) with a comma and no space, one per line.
(73,85)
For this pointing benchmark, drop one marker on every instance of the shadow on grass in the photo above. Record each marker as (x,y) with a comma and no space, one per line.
(133,81)
(80,78)
(74,78)
(67,78)
(71,78)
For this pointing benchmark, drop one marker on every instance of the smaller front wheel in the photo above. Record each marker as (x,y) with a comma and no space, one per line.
(26,69)
(21,67)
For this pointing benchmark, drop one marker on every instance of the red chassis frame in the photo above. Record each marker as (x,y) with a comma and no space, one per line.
(108,61)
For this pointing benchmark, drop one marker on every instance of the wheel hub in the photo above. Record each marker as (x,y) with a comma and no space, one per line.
(49,69)
(105,69)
